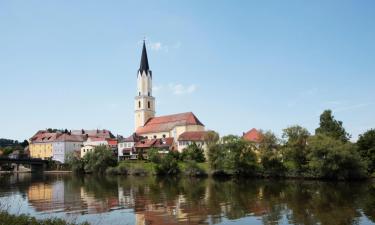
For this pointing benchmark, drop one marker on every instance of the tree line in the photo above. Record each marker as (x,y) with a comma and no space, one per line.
(327,154)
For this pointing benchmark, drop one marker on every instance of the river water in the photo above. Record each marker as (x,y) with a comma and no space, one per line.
(151,200)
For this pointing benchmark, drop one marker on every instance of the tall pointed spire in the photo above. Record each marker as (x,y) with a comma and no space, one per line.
(144,60)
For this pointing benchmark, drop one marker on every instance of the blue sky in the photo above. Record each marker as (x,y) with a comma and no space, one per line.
(235,64)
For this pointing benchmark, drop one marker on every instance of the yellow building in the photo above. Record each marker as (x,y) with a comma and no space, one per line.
(41,145)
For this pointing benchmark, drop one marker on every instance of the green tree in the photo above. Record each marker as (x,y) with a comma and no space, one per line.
(153,155)
(99,160)
(334,159)
(270,155)
(366,148)
(295,148)
(212,138)
(76,164)
(167,166)
(332,127)
(193,152)
(239,158)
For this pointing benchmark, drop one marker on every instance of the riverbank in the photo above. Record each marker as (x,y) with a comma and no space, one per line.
(22,219)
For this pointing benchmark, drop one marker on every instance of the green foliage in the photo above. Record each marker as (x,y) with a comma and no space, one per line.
(295,148)
(212,138)
(366,148)
(270,155)
(167,166)
(6,218)
(99,160)
(193,169)
(333,159)
(234,156)
(153,155)
(331,127)
(193,152)
(76,164)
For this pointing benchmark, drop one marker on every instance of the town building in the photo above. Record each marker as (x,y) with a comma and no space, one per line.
(126,147)
(146,123)
(91,144)
(57,144)
(252,135)
(189,137)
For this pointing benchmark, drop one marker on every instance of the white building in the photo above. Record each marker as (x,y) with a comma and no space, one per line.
(91,143)
(64,144)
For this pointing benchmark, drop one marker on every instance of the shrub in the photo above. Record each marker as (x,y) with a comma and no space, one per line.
(193,152)
(192,169)
(167,166)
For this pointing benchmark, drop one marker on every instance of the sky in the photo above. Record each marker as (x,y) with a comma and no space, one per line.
(235,64)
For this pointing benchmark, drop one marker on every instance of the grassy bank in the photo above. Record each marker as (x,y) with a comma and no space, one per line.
(7,219)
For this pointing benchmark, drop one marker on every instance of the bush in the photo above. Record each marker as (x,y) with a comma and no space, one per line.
(167,166)
(99,160)
(6,218)
(192,169)
(76,164)
(153,155)
(193,152)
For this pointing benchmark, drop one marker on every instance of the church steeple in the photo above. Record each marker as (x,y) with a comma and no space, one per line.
(144,67)
(144,101)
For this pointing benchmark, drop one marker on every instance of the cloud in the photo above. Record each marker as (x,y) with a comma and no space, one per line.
(157,88)
(179,89)
(156,46)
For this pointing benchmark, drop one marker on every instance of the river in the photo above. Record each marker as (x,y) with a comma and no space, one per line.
(151,200)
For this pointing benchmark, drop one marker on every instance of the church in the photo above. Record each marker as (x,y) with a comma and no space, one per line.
(153,127)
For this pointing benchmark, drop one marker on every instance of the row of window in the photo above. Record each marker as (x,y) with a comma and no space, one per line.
(184,143)
(126,145)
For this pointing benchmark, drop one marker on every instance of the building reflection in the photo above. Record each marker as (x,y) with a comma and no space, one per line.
(202,201)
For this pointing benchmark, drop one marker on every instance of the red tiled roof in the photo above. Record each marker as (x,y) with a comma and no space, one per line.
(253,135)
(70,137)
(112,142)
(193,136)
(155,143)
(167,123)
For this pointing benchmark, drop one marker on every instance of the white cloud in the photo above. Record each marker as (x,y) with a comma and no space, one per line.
(179,89)
(156,46)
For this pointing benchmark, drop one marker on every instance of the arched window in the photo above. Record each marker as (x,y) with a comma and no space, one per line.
(139,93)
(139,104)
(149,94)
(149,104)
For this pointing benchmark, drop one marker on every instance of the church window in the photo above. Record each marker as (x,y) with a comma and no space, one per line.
(149,94)
(139,93)
(149,105)
(139,104)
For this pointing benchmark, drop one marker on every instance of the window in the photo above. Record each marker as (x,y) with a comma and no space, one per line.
(139,93)
(149,94)
(149,105)
(164,135)
(139,104)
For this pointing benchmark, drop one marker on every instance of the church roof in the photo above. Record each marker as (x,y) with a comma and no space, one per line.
(144,60)
(167,123)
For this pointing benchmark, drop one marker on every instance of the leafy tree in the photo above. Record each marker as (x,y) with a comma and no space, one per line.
(153,155)
(240,158)
(334,159)
(212,138)
(270,156)
(216,157)
(167,166)
(366,148)
(332,127)
(193,152)
(76,164)
(295,148)
(99,160)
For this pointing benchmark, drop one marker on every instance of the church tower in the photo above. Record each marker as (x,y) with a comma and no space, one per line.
(144,102)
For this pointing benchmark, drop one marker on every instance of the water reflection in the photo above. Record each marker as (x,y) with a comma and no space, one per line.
(195,201)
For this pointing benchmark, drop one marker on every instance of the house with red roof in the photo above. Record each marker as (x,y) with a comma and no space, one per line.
(252,135)
(158,127)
